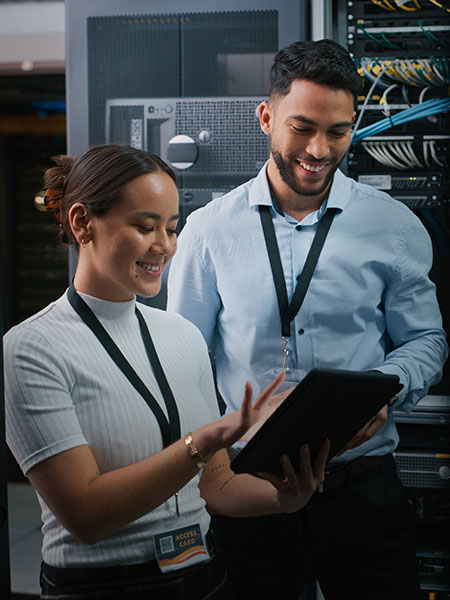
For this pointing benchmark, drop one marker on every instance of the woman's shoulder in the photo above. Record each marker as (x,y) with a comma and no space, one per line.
(170,323)
(45,324)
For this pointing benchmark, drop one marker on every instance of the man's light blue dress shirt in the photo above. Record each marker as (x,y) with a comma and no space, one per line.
(370,304)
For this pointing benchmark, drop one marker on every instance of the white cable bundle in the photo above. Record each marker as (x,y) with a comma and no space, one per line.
(379,152)
(399,154)
(434,155)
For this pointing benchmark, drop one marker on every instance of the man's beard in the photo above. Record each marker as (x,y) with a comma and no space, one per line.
(289,179)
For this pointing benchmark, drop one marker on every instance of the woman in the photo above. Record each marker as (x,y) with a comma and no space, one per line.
(101,397)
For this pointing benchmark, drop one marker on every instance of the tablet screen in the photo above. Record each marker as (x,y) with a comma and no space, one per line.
(327,403)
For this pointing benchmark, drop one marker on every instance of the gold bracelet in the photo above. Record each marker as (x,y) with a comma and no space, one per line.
(194,453)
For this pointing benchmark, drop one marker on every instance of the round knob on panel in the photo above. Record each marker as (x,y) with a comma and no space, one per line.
(444,472)
(182,152)
(204,136)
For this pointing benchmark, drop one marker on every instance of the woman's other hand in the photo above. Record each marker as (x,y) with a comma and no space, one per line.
(295,490)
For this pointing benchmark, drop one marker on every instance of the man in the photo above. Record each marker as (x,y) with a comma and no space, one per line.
(369,306)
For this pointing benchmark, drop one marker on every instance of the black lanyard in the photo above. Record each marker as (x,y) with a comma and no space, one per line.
(289,310)
(170,429)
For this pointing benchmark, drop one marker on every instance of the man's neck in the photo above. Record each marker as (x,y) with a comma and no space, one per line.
(291,203)
(299,210)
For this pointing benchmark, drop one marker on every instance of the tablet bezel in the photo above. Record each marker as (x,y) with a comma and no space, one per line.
(303,418)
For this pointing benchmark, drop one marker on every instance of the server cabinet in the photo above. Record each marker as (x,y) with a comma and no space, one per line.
(423,461)
(181,82)
(401,51)
(137,49)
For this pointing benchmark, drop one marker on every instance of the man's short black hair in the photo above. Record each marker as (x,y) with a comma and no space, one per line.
(323,61)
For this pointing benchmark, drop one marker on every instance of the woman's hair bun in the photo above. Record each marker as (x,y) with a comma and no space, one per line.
(55,180)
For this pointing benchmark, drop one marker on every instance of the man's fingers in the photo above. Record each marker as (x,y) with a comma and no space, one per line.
(356,440)
(366,432)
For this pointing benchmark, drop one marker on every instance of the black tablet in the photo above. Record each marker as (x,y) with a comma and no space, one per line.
(327,403)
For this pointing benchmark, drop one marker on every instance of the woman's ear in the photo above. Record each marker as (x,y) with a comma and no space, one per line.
(79,220)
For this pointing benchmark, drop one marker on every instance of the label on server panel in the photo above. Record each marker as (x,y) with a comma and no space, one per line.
(136,138)
(381,182)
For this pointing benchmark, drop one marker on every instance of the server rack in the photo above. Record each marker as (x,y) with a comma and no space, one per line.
(213,143)
(180,81)
(403,46)
(423,461)
(401,50)
(164,49)
(405,51)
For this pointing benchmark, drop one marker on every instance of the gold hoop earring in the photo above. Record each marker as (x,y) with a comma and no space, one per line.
(83,245)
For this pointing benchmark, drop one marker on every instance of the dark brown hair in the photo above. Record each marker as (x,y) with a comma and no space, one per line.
(322,61)
(96,179)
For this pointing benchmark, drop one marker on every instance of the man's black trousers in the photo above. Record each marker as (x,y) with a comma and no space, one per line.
(357,541)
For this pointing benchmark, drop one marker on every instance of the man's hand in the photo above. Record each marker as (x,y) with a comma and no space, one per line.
(366,432)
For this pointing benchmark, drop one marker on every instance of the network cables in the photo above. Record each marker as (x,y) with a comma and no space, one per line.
(423,110)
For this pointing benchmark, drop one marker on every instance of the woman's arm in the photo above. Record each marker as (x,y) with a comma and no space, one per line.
(244,495)
(92,505)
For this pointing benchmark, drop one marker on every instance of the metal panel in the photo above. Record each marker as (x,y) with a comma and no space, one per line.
(292,25)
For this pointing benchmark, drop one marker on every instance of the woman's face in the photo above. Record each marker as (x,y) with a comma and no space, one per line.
(132,243)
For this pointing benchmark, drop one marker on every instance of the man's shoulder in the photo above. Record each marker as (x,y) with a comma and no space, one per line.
(378,201)
(373,194)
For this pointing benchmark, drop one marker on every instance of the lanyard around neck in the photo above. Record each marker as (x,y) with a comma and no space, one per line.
(288,310)
(170,429)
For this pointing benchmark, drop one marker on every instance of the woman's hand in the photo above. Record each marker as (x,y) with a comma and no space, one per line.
(266,411)
(232,427)
(295,490)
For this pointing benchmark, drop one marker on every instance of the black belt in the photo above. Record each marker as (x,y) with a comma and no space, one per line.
(341,476)
(66,577)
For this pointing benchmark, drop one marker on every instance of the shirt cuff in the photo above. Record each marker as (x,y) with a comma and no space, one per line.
(394,370)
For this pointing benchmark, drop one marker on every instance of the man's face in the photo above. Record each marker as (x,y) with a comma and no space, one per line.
(310,133)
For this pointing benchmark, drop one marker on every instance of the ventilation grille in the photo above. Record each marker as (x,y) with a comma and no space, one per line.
(423,470)
(177,55)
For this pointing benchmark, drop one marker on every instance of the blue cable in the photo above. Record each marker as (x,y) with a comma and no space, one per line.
(425,109)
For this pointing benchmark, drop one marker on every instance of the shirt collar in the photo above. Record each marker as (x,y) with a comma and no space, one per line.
(107,310)
(338,197)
